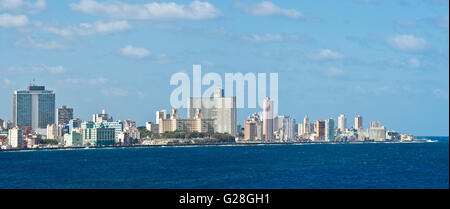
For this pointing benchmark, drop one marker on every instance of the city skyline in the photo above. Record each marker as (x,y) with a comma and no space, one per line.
(394,71)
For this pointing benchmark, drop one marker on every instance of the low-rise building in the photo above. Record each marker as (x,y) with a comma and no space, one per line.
(73,139)
(15,138)
(197,124)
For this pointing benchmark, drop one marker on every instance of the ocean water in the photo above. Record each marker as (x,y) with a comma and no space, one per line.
(381,165)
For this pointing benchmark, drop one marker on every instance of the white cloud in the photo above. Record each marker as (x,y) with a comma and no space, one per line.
(21,4)
(38,69)
(265,8)
(134,52)
(82,82)
(325,54)
(407,43)
(195,10)
(414,63)
(98,27)
(265,38)
(334,72)
(5,82)
(409,63)
(255,38)
(114,92)
(141,53)
(8,20)
(140,94)
(39,44)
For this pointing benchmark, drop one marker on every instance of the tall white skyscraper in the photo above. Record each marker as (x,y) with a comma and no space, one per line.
(359,123)
(161,114)
(342,122)
(306,125)
(268,119)
(34,107)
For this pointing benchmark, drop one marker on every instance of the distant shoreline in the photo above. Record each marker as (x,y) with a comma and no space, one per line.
(204,144)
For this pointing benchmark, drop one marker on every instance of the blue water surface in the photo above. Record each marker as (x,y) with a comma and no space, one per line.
(369,165)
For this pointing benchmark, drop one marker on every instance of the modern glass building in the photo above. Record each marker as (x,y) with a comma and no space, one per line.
(34,107)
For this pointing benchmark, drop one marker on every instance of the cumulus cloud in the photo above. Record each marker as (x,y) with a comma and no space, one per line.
(98,27)
(325,54)
(141,53)
(266,8)
(39,44)
(134,52)
(195,10)
(8,20)
(409,63)
(22,5)
(408,43)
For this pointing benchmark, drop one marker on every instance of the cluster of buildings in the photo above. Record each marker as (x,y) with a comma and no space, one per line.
(327,131)
(35,118)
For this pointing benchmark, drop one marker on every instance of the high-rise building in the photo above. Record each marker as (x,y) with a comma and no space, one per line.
(98,118)
(342,122)
(268,119)
(306,125)
(64,115)
(359,123)
(300,131)
(284,126)
(34,107)
(329,129)
(320,130)
(15,138)
(219,108)
(377,132)
(160,114)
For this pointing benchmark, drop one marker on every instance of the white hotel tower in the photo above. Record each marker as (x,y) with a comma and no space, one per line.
(342,122)
(268,119)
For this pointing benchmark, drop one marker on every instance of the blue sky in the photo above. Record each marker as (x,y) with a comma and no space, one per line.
(386,60)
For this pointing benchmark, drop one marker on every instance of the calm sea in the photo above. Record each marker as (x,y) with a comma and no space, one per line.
(382,165)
